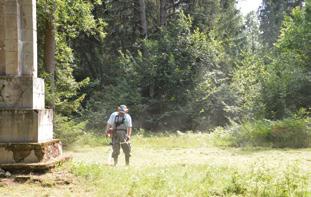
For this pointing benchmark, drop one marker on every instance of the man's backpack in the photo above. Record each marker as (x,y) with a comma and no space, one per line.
(119,121)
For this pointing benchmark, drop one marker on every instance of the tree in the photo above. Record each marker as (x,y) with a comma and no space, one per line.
(50,46)
(278,84)
(141,10)
(252,33)
(179,59)
(163,68)
(271,14)
(57,29)
(290,84)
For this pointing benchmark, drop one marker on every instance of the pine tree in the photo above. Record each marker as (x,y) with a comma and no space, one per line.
(271,16)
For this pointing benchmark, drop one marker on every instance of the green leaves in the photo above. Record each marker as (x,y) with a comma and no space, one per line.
(71,18)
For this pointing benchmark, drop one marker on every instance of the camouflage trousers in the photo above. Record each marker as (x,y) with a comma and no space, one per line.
(119,140)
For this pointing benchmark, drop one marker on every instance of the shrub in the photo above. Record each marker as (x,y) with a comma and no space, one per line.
(68,130)
(295,133)
(75,132)
(253,134)
(221,137)
(291,132)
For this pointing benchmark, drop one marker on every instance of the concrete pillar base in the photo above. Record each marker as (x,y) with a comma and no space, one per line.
(22,168)
(26,126)
(25,153)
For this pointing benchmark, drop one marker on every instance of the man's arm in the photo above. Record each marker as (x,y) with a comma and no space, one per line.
(109,122)
(108,127)
(129,126)
(129,132)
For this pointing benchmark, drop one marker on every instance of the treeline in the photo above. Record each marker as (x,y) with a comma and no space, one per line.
(181,64)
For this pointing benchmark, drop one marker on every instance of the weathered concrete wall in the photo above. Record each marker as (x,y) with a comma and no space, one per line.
(18,38)
(30,152)
(21,93)
(18,126)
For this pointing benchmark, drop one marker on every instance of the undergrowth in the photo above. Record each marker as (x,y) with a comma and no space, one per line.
(73,132)
(291,133)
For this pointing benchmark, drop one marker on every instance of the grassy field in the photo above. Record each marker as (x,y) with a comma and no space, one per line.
(169,165)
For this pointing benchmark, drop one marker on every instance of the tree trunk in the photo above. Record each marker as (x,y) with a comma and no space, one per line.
(143,19)
(163,12)
(49,53)
(144,34)
(49,47)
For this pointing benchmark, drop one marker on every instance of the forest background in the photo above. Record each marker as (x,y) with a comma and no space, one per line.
(186,65)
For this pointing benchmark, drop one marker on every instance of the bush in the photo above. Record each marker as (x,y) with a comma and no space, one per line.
(295,133)
(68,130)
(253,134)
(75,133)
(291,132)
(222,137)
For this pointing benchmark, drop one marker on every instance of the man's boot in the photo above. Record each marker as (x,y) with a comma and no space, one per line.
(127,160)
(115,161)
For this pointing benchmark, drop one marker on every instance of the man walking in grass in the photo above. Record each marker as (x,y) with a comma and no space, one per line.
(120,123)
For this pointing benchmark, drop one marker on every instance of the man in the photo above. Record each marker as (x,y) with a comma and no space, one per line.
(120,123)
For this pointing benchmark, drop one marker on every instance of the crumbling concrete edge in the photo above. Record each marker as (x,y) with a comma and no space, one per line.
(36,167)
(30,152)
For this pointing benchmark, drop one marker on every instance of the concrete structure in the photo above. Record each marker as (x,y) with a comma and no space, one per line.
(21,93)
(26,127)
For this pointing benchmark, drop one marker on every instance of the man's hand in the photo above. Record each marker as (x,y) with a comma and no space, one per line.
(128,138)
(129,132)
(109,132)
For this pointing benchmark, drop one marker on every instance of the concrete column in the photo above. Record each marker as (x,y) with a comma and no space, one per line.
(18,39)
(2,38)
(28,37)
(11,19)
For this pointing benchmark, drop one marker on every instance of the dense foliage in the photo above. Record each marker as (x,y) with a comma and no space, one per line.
(271,15)
(177,76)
(178,65)
(276,85)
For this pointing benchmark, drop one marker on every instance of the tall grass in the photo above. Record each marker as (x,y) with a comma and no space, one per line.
(183,178)
(195,180)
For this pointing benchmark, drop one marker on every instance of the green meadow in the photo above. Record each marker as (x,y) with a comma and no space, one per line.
(172,165)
